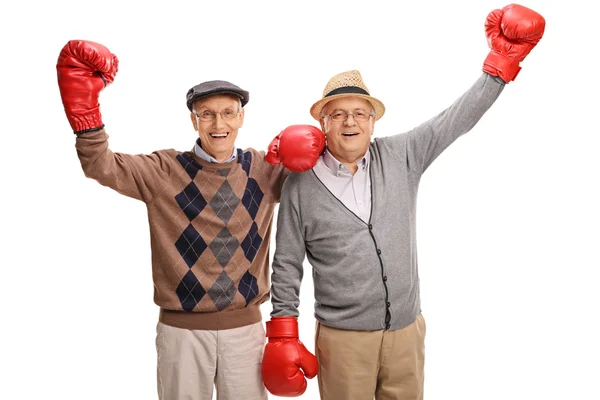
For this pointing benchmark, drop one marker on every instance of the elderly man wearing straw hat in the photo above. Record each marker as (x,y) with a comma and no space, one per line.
(210,211)
(353,216)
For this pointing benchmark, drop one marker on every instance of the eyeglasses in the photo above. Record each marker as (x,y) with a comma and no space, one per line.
(208,115)
(341,115)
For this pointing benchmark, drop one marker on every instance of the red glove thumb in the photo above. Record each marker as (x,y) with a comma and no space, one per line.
(272,155)
(308,362)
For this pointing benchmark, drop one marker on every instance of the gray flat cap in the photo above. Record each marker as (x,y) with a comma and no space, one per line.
(210,88)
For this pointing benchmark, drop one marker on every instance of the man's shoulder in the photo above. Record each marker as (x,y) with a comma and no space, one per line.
(398,137)
(251,155)
(251,150)
(392,145)
(256,166)
(173,155)
(168,152)
(300,181)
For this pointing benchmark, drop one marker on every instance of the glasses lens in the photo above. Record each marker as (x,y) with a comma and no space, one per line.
(361,115)
(207,115)
(229,114)
(339,116)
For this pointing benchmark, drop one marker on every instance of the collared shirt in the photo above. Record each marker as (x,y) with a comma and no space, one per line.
(207,157)
(354,191)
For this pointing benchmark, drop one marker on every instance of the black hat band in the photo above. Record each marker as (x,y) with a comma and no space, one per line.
(347,90)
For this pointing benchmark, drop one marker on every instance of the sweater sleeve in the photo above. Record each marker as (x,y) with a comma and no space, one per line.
(277,175)
(136,176)
(423,144)
(289,254)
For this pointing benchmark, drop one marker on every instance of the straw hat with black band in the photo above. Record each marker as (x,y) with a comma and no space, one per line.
(346,84)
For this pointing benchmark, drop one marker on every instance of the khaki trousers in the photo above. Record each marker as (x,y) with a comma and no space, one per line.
(192,362)
(362,365)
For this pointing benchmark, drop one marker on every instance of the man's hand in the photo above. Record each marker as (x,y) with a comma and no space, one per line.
(297,147)
(511,34)
(84,68)
(286,362)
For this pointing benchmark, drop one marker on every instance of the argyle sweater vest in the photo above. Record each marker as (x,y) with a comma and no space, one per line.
(210,226)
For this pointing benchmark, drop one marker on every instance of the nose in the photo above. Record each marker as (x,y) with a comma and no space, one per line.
(350,120)
(219,122)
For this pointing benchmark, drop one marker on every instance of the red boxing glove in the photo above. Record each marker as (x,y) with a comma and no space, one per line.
(84,68)
(297,147)
(286,362)
(511,34)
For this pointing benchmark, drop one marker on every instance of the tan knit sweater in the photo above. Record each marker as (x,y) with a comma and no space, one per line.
(210,226)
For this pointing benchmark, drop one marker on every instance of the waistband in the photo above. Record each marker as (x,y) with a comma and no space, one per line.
(218,320)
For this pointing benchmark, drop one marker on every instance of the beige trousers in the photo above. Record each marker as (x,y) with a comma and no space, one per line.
(193,362)
(362,365)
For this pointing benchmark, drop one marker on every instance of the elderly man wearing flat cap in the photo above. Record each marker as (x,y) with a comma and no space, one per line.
(353,216)
(210,212)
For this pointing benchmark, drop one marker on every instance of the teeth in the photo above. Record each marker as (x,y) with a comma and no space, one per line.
(217,135)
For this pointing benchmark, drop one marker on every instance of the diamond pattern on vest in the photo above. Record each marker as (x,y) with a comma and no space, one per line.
(224,202)
(248,287)
(189,291)
(191,201)
(223,291)
(251,242)
(223,246)
(188,165)
(190,245)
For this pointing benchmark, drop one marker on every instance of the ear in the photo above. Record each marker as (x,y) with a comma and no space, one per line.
(241,117)
(323,128)
(194,121)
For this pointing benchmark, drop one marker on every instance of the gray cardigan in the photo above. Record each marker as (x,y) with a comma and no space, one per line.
(365,274)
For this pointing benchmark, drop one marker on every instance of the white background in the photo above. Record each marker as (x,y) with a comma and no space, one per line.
(508,220)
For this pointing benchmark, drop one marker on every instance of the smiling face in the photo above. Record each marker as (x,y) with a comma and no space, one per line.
(217,120)
(348,140)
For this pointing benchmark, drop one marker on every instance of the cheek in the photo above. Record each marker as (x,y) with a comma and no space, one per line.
(234,126)
(203,132)
(331,131)
(233,132)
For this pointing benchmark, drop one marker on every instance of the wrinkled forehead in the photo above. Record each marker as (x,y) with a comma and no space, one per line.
(218,101)
(348,103)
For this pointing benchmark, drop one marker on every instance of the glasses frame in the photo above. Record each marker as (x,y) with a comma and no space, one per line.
(371,114)
(214,115)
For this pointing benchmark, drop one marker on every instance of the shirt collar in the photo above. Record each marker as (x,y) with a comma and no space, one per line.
(207,157)
(335,166)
